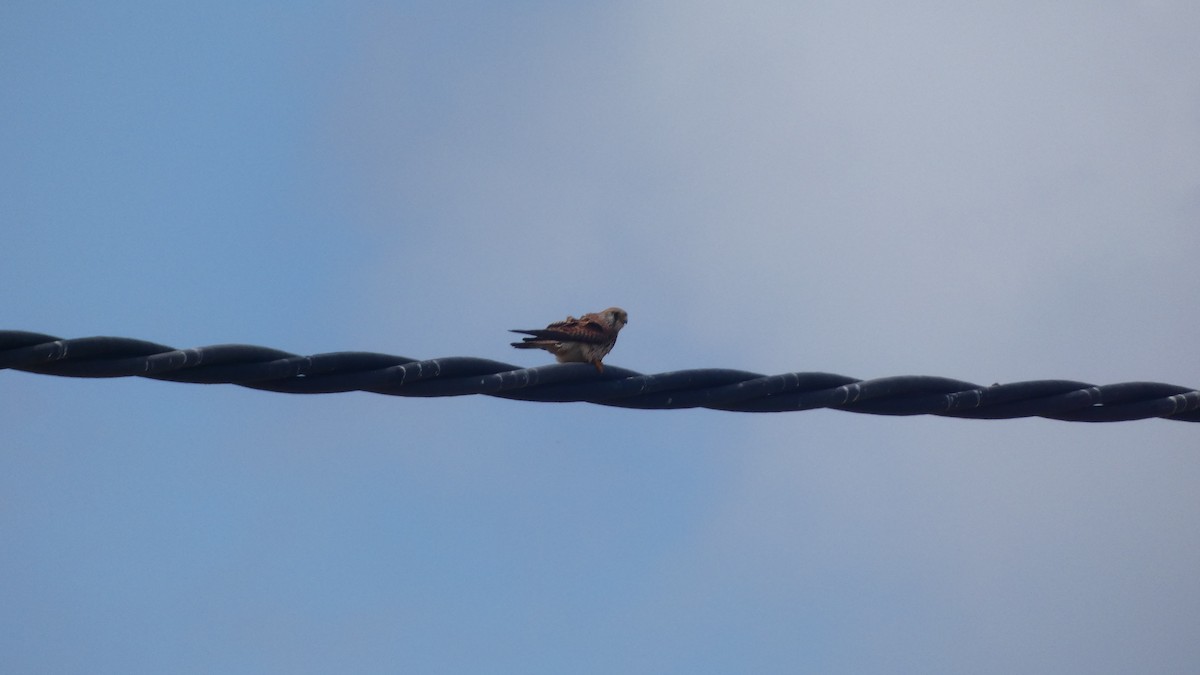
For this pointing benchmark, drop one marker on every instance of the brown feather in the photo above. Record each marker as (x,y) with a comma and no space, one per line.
(587,339)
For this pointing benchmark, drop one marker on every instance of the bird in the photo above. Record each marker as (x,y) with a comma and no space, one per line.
(584,340)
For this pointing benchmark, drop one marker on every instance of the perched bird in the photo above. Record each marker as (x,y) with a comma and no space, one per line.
(586,339)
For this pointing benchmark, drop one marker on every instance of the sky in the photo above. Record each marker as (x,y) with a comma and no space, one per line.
(991,192)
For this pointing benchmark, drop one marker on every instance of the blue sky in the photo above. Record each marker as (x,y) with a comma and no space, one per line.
(983,192)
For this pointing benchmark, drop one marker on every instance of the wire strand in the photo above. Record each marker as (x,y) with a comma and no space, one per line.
(715,388)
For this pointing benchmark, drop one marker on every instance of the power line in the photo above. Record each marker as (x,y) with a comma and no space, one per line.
(719,389)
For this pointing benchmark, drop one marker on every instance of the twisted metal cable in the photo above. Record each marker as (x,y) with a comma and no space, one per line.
(719,389)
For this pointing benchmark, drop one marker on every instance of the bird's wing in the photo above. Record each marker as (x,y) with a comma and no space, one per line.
(586,329)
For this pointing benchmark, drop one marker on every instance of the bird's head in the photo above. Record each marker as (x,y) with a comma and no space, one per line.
(616,317)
